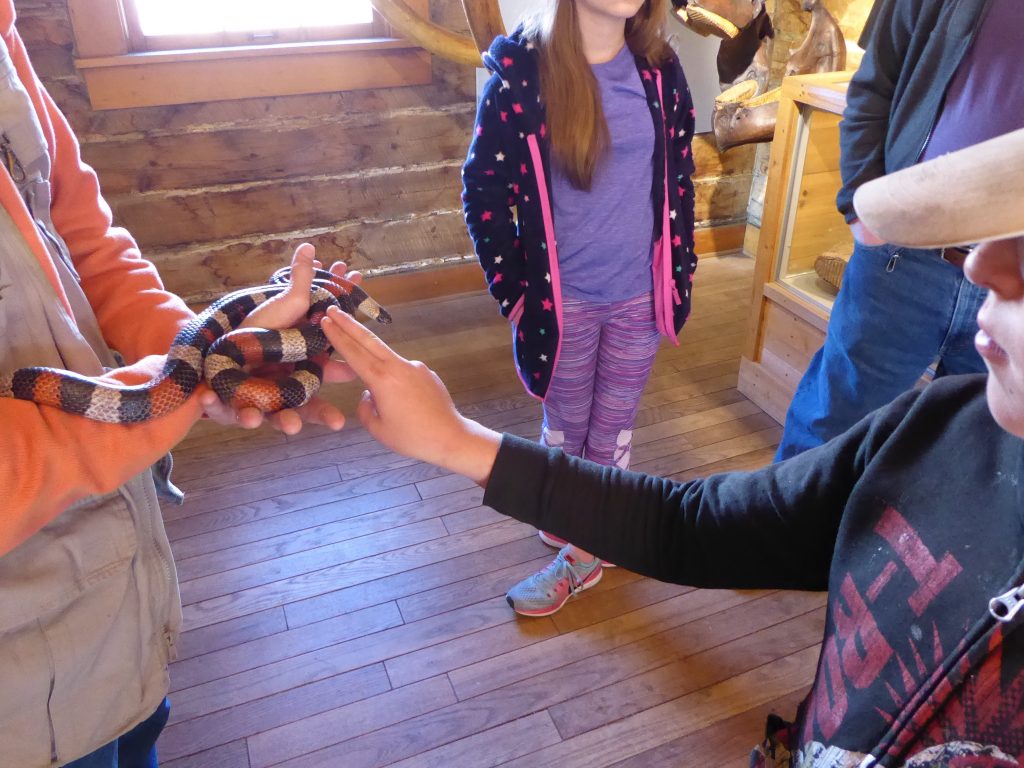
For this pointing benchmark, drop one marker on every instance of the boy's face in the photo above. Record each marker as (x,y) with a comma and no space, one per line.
(999,266)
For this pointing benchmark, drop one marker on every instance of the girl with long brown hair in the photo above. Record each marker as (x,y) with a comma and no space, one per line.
(579,201)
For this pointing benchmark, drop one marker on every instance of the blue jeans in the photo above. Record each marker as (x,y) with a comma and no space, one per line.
(135,749)
(898,311)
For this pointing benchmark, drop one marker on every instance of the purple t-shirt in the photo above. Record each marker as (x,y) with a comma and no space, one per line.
(985,98)
(605,235)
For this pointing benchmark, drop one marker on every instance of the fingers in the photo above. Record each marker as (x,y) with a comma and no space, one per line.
(358,344)
(319,411)
(316,411)
(227,416)
(250,418)
(339,268)
(336,371)
(288,307)
(287,421)
(303,264)
(215,410)
(368,415)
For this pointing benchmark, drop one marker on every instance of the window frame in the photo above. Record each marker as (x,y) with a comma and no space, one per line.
(118,75)
(139,42)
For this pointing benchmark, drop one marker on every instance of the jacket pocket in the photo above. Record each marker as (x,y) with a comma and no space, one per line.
(88,543)
(516,313)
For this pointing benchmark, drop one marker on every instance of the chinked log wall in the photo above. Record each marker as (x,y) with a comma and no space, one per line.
(218,194)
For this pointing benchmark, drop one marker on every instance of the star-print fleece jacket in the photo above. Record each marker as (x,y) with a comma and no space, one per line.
(507,202)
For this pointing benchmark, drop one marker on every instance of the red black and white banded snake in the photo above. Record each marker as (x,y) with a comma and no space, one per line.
(211,348)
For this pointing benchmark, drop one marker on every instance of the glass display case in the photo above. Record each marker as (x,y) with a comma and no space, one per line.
(812,227)
(799,226)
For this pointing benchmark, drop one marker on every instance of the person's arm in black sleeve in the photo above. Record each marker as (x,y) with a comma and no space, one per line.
(862,132)
(772,528)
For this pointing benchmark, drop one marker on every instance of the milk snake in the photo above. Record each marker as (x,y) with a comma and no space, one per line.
(210,348)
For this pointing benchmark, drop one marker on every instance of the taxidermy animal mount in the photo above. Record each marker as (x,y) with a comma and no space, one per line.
(745,113)
(748,56)
(744,116)
(823,49)
(722,18)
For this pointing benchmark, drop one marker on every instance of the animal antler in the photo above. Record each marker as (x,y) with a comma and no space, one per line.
(485,23)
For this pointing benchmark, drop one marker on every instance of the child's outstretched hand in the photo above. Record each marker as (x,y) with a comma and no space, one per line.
(407,407)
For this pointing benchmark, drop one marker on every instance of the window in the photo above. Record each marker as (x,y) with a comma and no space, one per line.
(159,25)
(148,52)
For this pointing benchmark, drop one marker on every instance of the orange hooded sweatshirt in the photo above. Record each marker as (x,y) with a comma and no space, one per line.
(49,459)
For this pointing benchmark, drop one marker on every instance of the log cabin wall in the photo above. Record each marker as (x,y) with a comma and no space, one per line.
(218,194)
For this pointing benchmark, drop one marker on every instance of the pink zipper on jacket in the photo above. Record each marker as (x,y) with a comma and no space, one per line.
(549,238)
(666,295)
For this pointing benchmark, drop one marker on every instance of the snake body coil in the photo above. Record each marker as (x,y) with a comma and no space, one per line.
(211,348)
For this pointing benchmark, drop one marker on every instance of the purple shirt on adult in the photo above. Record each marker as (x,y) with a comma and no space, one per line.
(985,98)
(605,235)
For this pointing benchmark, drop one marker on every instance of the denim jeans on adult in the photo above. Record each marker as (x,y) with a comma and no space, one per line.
(898,311)
(135,749)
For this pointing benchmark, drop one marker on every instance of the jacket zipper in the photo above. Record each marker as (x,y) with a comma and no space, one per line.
(11,161)
(1005,609)
(927,139)
(1007,606)
(931,129)
(54,756)
(165,566)
(550,243)
(666,230)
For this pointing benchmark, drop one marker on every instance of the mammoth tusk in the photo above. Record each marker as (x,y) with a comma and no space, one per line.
(485,21)
(436,39)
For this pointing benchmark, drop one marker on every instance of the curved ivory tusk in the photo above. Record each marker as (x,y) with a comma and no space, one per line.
(436,39)
(485,21)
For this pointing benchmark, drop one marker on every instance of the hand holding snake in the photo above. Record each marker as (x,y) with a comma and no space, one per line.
(216,345)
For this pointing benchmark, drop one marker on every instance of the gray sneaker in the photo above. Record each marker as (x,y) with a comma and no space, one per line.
(546,591)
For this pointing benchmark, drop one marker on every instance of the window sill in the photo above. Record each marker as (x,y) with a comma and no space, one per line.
(215,74)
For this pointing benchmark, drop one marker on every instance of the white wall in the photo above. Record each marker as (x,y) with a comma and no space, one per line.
(696,53)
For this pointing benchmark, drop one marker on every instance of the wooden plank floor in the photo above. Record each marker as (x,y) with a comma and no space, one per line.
(344,607)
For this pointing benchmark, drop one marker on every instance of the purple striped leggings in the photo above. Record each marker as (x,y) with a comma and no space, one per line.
(607,354)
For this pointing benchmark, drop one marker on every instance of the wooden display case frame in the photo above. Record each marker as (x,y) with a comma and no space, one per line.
(788,316)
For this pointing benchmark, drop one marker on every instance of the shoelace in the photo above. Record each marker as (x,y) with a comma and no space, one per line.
(561,564)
